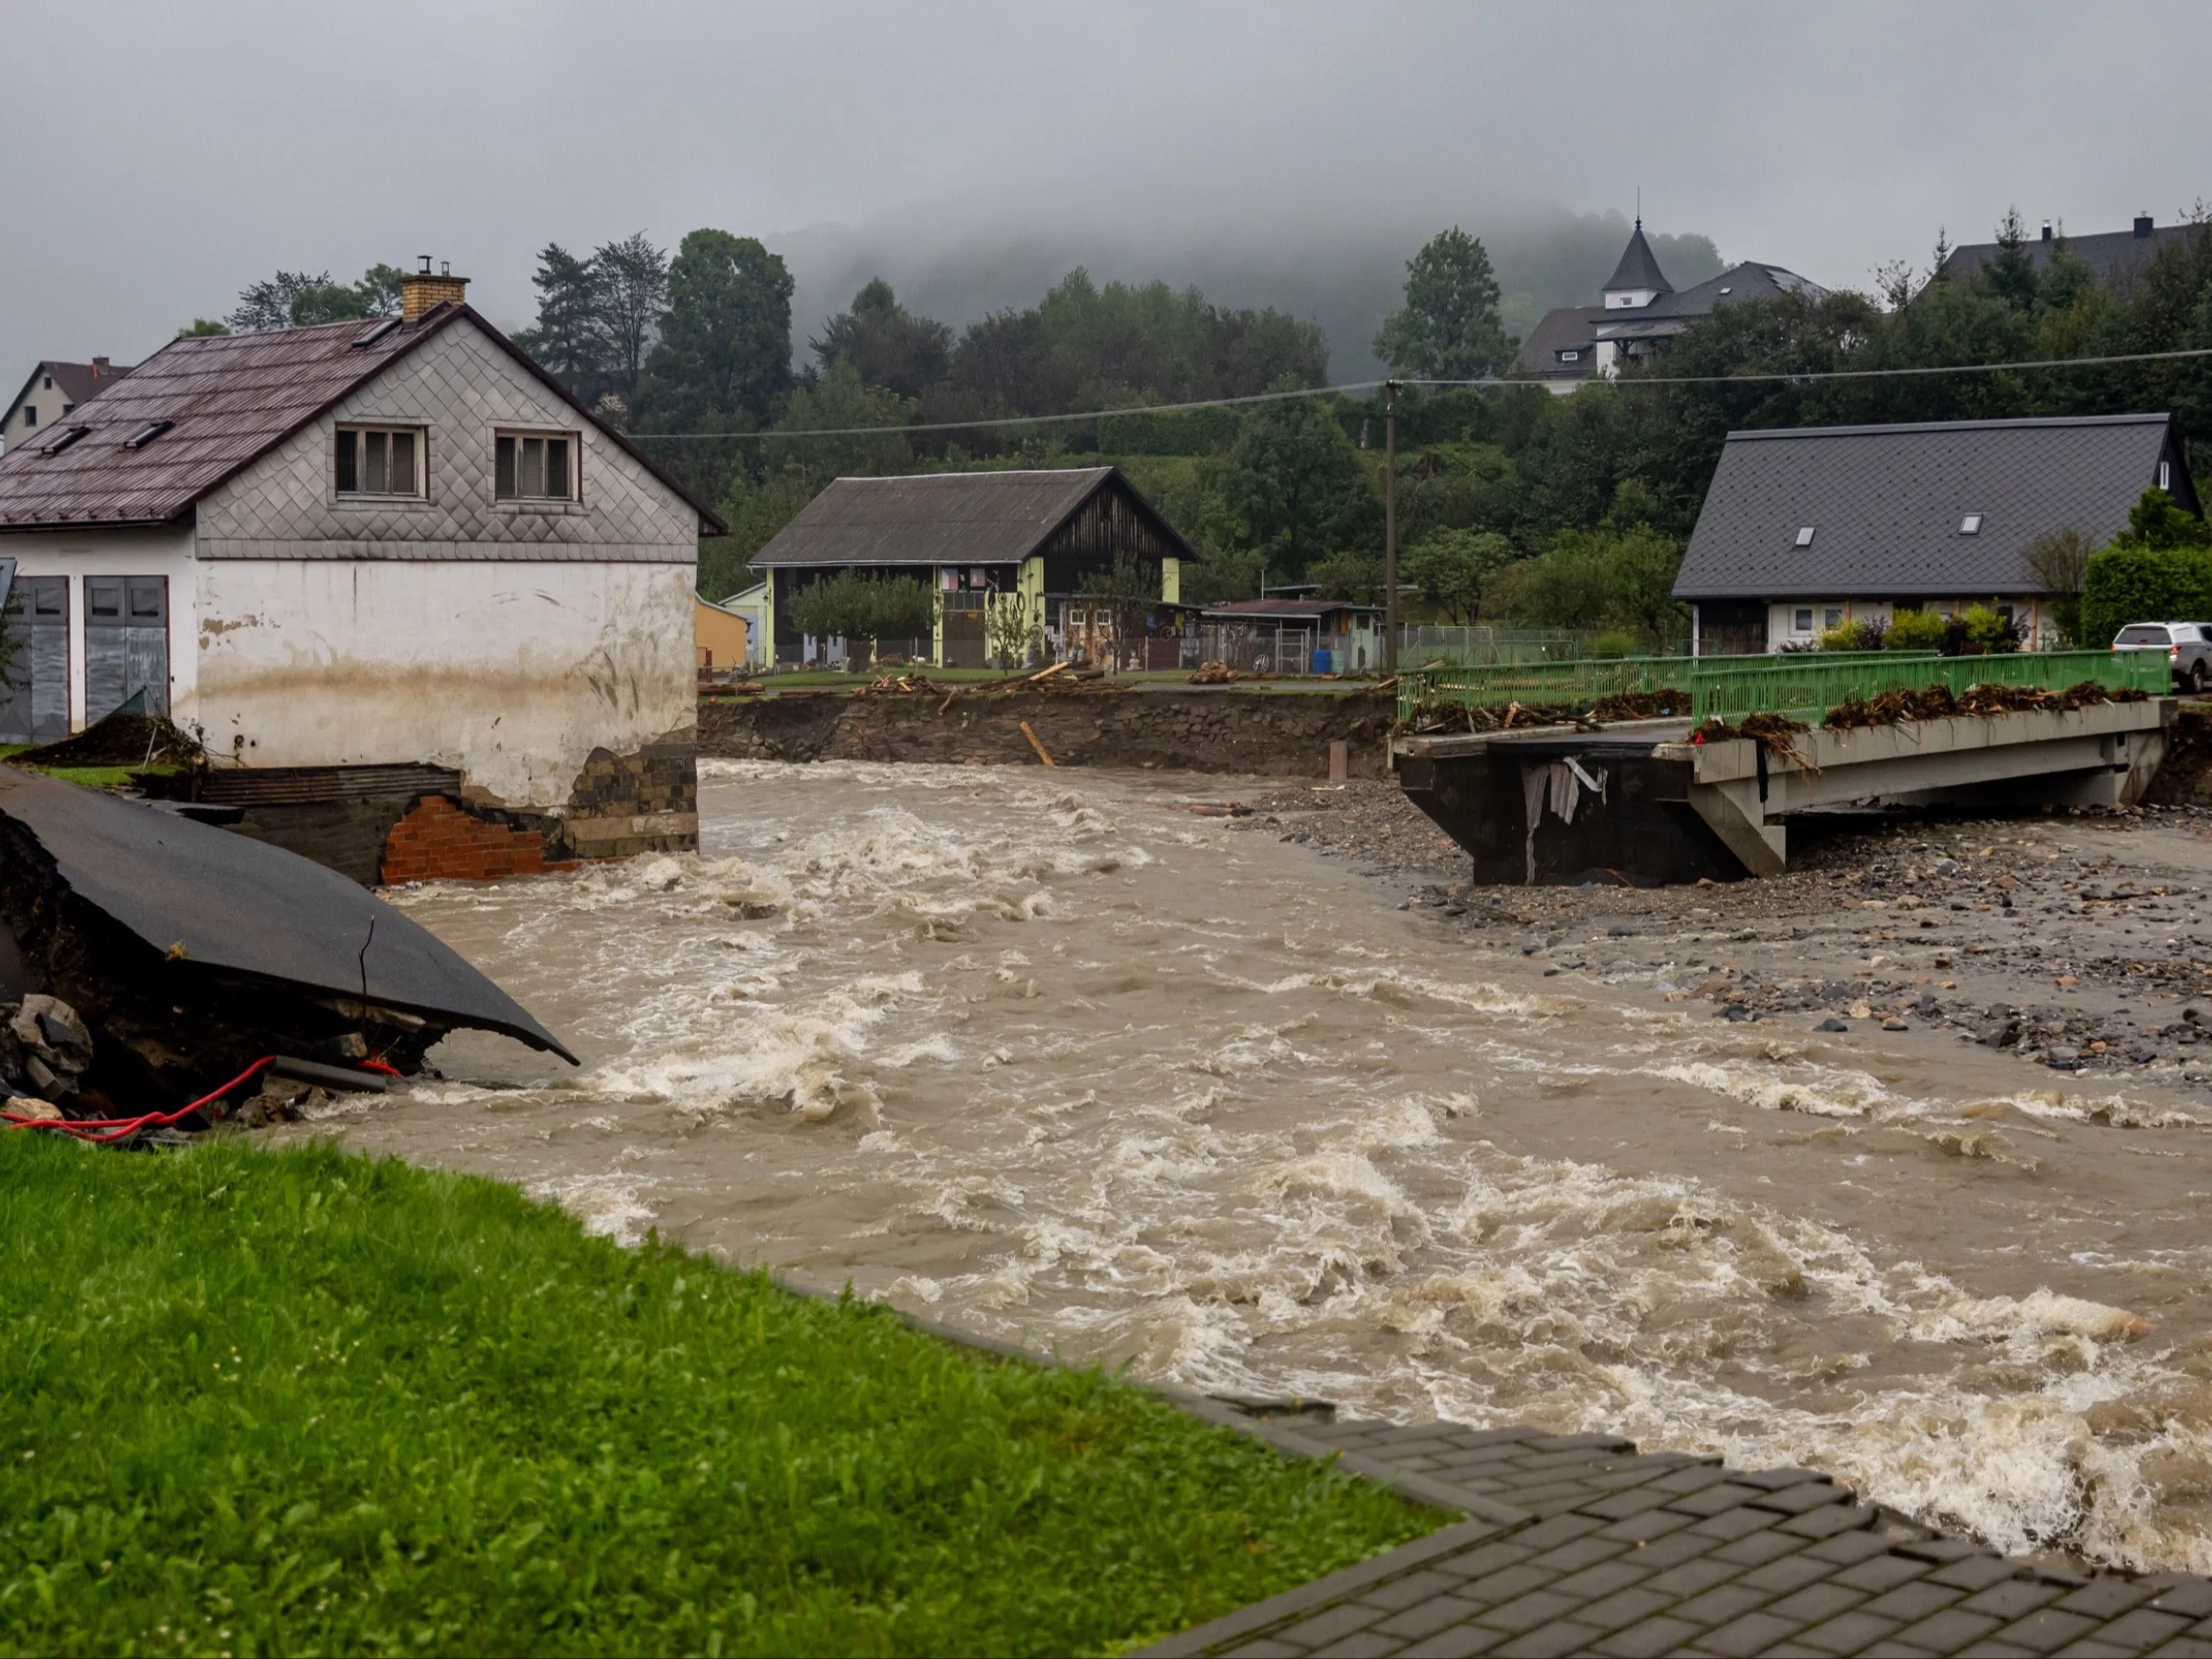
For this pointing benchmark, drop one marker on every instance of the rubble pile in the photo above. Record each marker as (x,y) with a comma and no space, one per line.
(119,740)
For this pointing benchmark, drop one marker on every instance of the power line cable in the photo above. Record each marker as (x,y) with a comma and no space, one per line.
(1788,376)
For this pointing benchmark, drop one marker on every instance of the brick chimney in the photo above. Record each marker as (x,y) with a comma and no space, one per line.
(419,290)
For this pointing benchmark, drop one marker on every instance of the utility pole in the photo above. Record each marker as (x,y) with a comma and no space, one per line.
(1390,526)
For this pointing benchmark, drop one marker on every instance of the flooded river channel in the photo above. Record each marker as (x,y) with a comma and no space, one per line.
(1050,1057)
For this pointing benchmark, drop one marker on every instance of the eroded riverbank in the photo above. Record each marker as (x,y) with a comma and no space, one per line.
(1059,1060)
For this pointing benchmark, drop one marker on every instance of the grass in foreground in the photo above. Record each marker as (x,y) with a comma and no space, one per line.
(279,1401)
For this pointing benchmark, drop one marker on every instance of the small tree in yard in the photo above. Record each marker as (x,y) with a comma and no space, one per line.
(2059,561)
(1009,630)
(854,606)
(1129,590)
(1452,566)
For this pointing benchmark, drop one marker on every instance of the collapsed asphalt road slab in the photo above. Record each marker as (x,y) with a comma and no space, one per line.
(191,953)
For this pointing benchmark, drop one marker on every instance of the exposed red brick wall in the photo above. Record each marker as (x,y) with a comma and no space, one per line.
(437,840)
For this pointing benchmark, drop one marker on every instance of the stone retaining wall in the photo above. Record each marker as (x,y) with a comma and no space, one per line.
(1280,734)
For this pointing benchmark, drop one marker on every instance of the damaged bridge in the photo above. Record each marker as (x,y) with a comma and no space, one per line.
(1688,796)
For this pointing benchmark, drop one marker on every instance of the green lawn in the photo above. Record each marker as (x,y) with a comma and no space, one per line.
(260,1401)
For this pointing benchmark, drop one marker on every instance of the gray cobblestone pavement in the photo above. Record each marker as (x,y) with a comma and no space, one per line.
(1576,1544)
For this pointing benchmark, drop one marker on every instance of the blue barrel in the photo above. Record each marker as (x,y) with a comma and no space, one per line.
(1322,660)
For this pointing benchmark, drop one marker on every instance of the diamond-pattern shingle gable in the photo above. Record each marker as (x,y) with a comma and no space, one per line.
(460,387)
(1885,503)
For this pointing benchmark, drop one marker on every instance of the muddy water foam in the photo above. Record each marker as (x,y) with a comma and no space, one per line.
(1055,1060)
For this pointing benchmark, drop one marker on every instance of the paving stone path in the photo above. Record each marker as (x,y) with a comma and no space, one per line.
(1576,1544)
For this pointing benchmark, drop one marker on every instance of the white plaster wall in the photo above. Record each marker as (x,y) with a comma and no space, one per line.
(510,670)
(81,553)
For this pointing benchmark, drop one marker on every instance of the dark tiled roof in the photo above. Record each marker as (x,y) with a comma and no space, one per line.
(1754,279)
(953,518)
(2113,255)
(228,398)
(1567,329)
(1638,268)
(1885,503)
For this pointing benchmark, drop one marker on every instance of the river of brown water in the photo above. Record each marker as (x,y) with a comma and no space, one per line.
(1052,1058)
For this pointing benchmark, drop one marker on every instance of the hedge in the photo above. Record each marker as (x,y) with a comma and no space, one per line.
(2144,585)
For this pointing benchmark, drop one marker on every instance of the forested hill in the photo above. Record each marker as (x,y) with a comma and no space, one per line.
(1344,280)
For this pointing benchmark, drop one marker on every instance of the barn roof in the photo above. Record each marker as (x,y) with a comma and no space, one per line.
(204,407)
(1886,504)
(951,518)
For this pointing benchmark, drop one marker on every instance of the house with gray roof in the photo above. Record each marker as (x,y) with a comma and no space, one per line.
(2113,257)
(51,393)
(1809,527)
(980,540)
(341,550)
(1637,313)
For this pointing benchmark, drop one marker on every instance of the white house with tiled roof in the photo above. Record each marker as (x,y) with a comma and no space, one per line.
(364,545)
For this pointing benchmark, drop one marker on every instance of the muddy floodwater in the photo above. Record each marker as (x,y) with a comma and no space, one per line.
(1053,1057)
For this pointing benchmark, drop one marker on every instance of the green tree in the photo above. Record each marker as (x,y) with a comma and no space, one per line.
(886,344)
(838,402)
(856,607)
(1605,577)
(2157,521)
(571,339)
(1352,574)
(296,300)
(2059,560)
(201,326)
(1454,568)
(1448,328)
(1129,590)
(724,353)
(630,290)
(1292,488)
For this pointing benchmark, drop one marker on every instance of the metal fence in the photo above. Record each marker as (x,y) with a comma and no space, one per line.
(1482,645)
(1804,685)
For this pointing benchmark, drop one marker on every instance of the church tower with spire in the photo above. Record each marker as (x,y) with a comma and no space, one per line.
(1637,280)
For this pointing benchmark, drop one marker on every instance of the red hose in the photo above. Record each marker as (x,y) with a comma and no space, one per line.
(123,1127)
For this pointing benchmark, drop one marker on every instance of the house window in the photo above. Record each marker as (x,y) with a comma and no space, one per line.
(1571,357)
(1802,621)
(1971,525)
(535,467)
(30,414)
(1832,618)
(1804,535)
(379,460)
(47,383)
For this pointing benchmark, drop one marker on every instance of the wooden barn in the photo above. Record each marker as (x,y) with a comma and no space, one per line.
(983,542)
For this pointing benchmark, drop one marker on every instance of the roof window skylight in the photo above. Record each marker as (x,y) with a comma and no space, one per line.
(376,331)
(62,439)
(1804,535)
(147,434)
(1971,525)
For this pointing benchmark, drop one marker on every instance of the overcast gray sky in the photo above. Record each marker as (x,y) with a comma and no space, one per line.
(157,157)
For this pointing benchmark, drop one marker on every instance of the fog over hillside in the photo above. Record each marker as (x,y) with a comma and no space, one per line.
(1345,275)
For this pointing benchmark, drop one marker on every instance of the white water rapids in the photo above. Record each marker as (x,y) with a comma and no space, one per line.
(1048,1057)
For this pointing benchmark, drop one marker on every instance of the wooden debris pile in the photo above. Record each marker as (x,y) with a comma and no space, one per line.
(1938,702)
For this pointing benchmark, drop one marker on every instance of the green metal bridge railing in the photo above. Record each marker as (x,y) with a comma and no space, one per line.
(1804,685)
